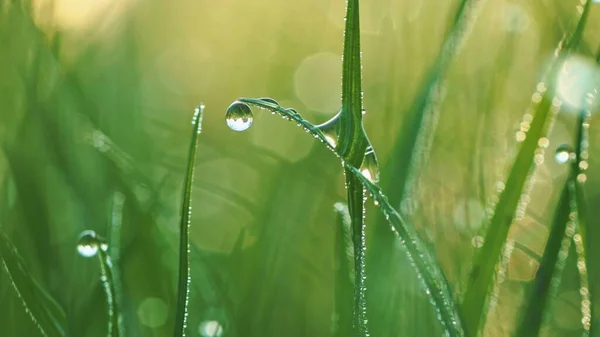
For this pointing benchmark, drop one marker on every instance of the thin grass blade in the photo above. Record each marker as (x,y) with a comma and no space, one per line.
(44,311)
(412,145)
(344,272)
(183,288)
(532,312)
(482,274)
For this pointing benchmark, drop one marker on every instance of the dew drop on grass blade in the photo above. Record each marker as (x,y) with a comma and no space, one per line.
(90,245)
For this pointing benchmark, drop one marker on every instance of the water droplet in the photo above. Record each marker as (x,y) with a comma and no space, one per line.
(88,243)
(370,165)
(239,116)
(269,100)
(210,329)
(564,154)
(330,130)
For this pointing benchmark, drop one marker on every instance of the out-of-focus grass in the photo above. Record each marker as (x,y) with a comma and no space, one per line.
(97,100)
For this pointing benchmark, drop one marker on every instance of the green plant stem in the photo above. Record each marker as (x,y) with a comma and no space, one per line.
(351,147)
(183,288)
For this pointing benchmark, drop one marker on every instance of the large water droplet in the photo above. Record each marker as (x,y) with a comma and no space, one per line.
(370,165)
(564,154)
(239,116)
(211,329)
(88,244)
(330,130)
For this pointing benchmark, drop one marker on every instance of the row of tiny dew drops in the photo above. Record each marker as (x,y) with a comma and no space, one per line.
(90,245)
(239,117)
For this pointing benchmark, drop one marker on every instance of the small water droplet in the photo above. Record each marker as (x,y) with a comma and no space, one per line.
(88,243)
(239,116)
(370,166)
(330,130)
(211,329)
(564,154)
(269,100)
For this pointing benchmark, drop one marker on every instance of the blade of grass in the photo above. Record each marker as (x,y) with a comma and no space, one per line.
(433,280)
(183,288)
(482,274)
(352,146)
(344,271)
(44,311)
(532,312)
(412,145)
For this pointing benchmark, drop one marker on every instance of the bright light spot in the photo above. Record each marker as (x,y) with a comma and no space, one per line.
(578,77)
(152,312)
(468,214)
(317,82)
(515,18)
(367,174)
(210,329)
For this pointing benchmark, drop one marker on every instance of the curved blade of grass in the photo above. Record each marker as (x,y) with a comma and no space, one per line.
(344,272)
(532,313)
(43,310)
(183,287)
(482,274)
(433,280)
(430,274)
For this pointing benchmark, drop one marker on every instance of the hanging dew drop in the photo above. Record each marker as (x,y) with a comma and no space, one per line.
(88,244)
(330,130)
(564,154)
(239,116)
(370,166)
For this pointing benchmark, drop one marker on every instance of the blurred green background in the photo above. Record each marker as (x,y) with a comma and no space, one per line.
(96,99)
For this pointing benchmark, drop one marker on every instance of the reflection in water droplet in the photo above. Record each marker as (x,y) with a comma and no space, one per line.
(269,100)
(239,116)
(210,329)
(370,165)
(564,154)
(87,245)
(330,130)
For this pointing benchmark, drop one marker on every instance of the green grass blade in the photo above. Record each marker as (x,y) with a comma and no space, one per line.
(352,142)
(115,320)
(412,145)
(532,313)
(183,288)
(352,146)
(344,272)
(482,275)
(430,274)
(114,257)
(424,262)
(43,310)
